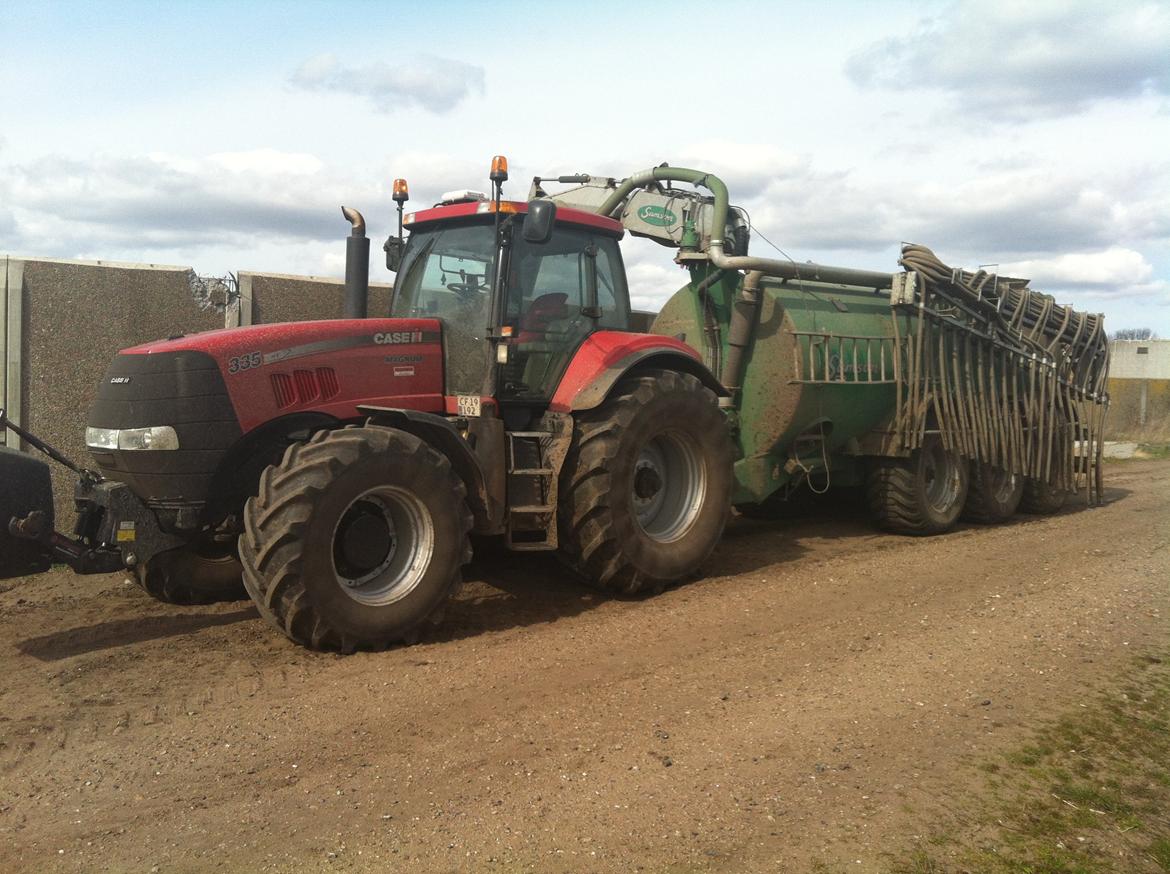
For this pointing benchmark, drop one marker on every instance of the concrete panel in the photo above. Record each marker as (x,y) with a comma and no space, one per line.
(77,315)
(12,360)
(279,297)
(1139,359)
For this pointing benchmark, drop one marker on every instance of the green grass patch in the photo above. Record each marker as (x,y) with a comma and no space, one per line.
(1154,450)
(1088,794)
(1144,452)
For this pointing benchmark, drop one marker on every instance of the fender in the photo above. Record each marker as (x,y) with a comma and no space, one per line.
(606,356)
(442,435)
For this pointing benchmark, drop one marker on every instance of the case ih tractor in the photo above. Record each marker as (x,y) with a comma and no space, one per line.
(335,470)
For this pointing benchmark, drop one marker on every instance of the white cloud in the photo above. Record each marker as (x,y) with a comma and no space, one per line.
(1113,266)
(430,173)
(652,277)
(162,201)
(1114,273)
(748,169)
(268,162)
(433,83)
(1007,60)
(1027,211)
(1087,234)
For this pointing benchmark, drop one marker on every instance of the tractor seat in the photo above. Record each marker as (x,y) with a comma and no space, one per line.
(542,312)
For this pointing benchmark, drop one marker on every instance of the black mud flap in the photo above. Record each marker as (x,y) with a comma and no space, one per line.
(25,486)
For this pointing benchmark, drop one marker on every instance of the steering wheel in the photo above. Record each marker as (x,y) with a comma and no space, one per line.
(463,288)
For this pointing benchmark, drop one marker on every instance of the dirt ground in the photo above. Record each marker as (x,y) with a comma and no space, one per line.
(818,697)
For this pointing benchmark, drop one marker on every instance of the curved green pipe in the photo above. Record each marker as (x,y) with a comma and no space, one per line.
(768,266)
(672,174)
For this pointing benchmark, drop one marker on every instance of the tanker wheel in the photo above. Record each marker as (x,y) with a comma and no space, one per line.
(356,539)
(646,486)
(197,574)
(994,494)
(1042,499)
(919,495)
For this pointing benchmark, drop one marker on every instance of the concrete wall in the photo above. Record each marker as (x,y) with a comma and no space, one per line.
(62,321)
(1139,359)
(278,297)
(76,316)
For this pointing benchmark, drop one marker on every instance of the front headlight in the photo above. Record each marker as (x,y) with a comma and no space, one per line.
(159,437)
(101,438)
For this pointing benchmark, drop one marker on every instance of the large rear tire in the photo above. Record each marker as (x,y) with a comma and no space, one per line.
(192,575)
(994,495)
(920,495)
(356,539)
(646,486)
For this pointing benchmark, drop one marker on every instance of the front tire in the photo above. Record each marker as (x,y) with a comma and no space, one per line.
(356,539)
(192,575)
(646,486)
(920,495)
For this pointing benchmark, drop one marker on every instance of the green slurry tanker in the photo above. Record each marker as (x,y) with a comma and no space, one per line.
(334,471)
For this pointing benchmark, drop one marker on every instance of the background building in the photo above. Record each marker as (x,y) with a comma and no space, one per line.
(1139,390)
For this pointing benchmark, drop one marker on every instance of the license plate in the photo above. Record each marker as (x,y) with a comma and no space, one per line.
(467,405)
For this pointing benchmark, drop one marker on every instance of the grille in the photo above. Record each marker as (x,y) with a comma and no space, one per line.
(304,386)
(282,388)
(328,381)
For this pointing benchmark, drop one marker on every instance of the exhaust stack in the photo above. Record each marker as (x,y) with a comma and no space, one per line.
(357,266)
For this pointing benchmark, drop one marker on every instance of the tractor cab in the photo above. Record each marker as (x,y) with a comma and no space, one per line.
(517,286)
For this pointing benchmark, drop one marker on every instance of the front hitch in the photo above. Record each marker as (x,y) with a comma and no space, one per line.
(115,530)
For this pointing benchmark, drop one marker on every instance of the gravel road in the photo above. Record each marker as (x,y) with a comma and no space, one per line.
(820,696)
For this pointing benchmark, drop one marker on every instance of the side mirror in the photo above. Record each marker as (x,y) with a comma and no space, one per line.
(394,247)
(538,226)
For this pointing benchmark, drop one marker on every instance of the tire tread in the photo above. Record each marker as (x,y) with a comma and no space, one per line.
(276,519)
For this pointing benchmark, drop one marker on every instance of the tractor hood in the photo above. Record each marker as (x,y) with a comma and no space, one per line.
(168,412)
(331,366)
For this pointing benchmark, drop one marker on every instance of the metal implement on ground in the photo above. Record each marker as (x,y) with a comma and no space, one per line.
(334,471)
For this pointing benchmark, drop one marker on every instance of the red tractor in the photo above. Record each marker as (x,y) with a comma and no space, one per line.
(338,468)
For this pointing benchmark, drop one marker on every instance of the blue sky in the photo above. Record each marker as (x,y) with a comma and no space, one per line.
(225,135)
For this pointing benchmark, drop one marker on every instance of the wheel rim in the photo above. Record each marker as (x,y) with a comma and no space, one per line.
(669,487)
(942,478)
(1003,485)
(382,546)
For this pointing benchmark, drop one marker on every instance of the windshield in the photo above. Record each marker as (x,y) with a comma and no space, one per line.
(446,274)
